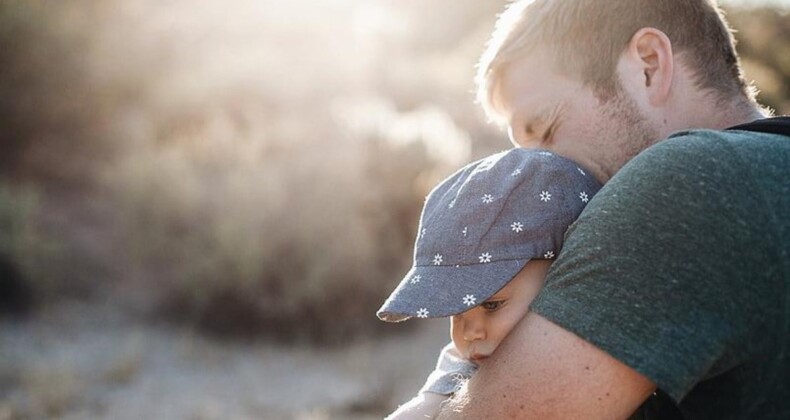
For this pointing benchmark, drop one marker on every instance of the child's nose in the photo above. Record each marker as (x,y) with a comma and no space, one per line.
(474,329)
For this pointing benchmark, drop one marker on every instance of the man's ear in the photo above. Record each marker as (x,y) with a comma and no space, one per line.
(652,64)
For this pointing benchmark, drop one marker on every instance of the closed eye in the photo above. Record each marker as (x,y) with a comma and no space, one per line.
(553,121)
(549,133)
(541,129)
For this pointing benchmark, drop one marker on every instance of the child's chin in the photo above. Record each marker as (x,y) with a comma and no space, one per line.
(478,360)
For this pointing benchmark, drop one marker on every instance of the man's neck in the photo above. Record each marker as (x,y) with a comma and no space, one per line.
(741,112)
(714,114)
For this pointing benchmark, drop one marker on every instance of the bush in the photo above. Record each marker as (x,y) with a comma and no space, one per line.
(15,293)
(766,59)
(26,255)
(271,237)
(40,261)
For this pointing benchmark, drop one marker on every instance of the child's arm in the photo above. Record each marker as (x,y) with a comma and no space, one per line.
(450,373)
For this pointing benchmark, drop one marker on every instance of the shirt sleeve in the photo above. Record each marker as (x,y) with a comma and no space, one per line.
(450,374)
(662,269)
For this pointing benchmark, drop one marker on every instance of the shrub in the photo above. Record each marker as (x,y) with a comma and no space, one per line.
(271,237)
(40,260)
(26,254)
(15,237)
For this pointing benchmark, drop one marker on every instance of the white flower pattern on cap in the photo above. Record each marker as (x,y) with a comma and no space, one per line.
(465,231)
(517,227)
(422,313)
(437,259)
(583,197)
(488,199)
(485,258)
(517,172)
(581,171)
(545,196)
(469,300)
(548,255)
(416,279)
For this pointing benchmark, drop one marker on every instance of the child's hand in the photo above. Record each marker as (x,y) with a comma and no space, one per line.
(424,406)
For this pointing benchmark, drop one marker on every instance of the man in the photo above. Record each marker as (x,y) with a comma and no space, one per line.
(675,277)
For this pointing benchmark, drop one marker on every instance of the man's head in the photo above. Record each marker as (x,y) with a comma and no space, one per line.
(615,75)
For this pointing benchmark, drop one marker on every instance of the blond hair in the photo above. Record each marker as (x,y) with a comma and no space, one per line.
(588,37)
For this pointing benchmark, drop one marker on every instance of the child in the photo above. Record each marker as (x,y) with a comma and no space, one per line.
(486,239)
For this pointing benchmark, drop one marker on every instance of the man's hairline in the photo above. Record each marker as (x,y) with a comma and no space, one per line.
(492,99)
(493,104)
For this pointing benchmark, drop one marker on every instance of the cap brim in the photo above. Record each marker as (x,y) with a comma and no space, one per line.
(440,291)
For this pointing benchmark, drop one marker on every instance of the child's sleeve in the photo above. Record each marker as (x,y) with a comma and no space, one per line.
(450,373)
(425,405)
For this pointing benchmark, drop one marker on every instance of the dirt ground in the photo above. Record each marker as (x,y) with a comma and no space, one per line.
(89,362)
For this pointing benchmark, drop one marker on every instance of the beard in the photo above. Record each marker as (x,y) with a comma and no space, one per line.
(624,124)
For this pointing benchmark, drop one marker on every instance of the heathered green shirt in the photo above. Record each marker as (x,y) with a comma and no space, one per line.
(679,268)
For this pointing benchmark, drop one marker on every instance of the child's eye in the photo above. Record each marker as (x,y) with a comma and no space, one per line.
(492,306)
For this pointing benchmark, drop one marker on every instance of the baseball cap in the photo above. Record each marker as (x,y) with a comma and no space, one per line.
(481,226)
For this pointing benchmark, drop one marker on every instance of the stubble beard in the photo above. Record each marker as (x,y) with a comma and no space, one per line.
(625,128)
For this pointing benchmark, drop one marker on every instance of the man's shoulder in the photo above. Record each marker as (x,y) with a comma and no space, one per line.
(676,261)
(707,154)
(703,180)
(717,144)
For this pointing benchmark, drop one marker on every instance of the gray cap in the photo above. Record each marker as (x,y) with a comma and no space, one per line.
(480,226)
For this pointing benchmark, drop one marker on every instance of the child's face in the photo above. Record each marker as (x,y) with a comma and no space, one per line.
(477,332)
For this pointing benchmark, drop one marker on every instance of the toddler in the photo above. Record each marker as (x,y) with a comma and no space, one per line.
(486,238)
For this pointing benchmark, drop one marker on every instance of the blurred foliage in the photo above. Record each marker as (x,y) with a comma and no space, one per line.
(764,45)
(294,243)
(255,170)
(15,241)
(33,264)
(50,115)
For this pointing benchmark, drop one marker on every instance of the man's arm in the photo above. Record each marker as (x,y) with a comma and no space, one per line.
(542,371)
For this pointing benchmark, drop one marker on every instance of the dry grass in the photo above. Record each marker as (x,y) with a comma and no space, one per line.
(78,363)
(52,389)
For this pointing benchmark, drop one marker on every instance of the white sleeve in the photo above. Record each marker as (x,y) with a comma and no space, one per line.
(450,373)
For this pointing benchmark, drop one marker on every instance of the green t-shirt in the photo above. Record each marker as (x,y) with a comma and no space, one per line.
(679,268)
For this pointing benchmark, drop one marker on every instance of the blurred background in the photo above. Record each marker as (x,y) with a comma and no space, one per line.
(202,204)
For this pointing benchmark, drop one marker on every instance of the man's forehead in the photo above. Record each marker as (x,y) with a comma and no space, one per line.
(530,88)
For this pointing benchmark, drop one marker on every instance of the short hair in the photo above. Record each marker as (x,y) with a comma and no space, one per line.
(588,37)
